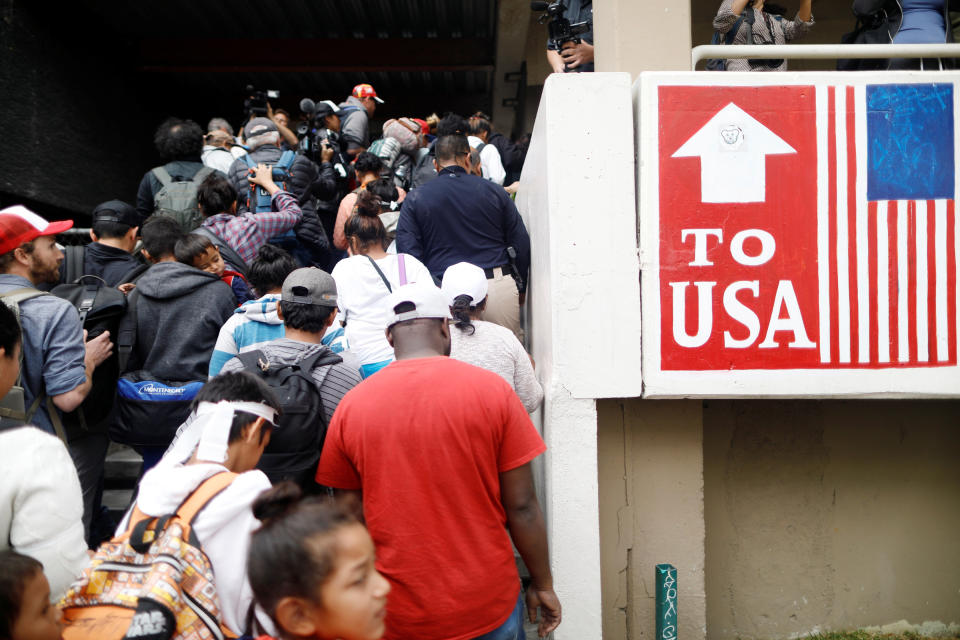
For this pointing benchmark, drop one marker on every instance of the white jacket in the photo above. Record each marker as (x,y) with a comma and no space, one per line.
(41,505)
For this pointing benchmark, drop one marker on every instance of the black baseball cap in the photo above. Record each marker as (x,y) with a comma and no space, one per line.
(116,211)
(327,108)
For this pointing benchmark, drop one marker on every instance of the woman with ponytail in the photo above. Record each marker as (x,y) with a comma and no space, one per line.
(311,568)
(366,278)
(485,344)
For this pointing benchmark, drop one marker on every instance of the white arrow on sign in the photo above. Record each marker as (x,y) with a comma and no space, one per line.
(732,148)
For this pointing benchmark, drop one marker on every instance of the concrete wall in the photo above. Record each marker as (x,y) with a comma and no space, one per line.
(584,313)
(651,512)
(830,515)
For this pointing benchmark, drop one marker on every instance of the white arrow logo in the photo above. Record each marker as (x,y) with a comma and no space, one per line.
(732,148)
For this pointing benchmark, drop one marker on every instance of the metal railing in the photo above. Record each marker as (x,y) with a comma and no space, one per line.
(822,51)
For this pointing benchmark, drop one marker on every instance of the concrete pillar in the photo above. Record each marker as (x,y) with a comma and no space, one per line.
(584,314)
(642,35)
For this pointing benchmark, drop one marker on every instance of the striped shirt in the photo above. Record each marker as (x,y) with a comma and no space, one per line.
(772,31)
(245,233)
(333,381)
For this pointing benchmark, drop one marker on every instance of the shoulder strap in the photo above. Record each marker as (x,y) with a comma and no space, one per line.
(127,331)
(231,256)
(201,175)
(16,296)
(321,358)
(286,159)
(250,163)
(380,273)
(403,269)
(162,175)
(732,33)
(480,147)
(134,273)
(202,495)
(251,360)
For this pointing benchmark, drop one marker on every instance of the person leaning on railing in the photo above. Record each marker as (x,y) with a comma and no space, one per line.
(768,27)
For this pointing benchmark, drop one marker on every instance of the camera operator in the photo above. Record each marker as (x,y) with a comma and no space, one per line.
(307,182)
(574,56)
(326,142)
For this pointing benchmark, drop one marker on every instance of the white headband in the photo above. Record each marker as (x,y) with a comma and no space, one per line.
(209,430)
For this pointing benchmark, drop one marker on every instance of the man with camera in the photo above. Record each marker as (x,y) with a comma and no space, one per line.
(305,180)
(570,46)
(328,147)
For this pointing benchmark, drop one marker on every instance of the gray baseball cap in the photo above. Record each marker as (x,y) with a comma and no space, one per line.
(310,285)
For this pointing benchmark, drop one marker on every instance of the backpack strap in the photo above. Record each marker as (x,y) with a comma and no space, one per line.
(480,147)
(250,163)
(380,273)
(134,274)
(403,269)
(209,489)
(732,33)
(73,257)
(251,360)
(286,160)
(226,250)
(202,174)
(127,331)
(322,358)
(161,174)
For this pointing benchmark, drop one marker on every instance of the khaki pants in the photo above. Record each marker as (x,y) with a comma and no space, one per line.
(503,302)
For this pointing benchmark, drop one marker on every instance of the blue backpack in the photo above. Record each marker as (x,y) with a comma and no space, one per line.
(258,200)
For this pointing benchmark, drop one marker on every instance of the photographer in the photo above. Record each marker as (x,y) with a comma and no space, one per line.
(307,182)
(577,57)
(758,23)
(325,140)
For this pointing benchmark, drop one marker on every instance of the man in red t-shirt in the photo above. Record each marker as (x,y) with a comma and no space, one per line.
(440,452)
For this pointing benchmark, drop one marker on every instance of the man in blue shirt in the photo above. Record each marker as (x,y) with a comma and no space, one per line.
(458,217)
(56,363)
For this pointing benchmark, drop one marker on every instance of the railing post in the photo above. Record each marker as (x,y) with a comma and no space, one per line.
(665,576)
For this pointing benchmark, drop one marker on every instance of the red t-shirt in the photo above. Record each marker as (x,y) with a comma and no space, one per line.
(425,440)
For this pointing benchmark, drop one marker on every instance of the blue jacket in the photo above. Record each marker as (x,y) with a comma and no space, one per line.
(458,217)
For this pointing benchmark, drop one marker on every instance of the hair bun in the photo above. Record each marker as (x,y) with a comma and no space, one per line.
(270,253)
(368,204)
(275,502)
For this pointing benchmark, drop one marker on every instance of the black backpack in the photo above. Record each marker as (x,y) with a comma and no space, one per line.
(101,309)
(294,449)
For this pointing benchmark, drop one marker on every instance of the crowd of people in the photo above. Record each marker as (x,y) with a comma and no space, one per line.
(314,341)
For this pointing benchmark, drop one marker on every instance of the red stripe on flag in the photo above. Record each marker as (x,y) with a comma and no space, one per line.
(852,228)
(892,286)
(832,249)
(951,282)
(932,275)
(872,279)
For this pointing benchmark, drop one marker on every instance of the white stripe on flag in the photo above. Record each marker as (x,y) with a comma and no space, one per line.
(843,266)
(883,284)
(923,346)
(823,220)
(903,283)
(940,249)
(862,232)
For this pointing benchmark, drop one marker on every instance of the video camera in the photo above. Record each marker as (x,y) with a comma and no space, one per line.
(314,137)
(561,30)
(255,104)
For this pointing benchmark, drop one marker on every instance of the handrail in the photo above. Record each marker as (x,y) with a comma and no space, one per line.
(822,51)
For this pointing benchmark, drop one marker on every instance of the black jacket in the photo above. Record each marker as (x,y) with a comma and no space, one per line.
(149,185)
(308,182)
(115,266)
(511,155)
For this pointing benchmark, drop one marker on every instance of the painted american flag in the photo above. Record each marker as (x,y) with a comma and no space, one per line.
(886,225)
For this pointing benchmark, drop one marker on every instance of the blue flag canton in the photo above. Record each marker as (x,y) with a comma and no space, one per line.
(910,142)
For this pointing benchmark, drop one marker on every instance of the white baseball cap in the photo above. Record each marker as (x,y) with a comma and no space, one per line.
(462,279)
(427,299)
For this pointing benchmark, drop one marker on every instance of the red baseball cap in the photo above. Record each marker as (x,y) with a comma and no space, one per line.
(18,225)
(366,91)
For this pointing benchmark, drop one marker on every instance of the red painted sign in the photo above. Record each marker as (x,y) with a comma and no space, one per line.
(801,227)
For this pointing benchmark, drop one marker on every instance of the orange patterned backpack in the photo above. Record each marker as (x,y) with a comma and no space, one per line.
(153,582)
